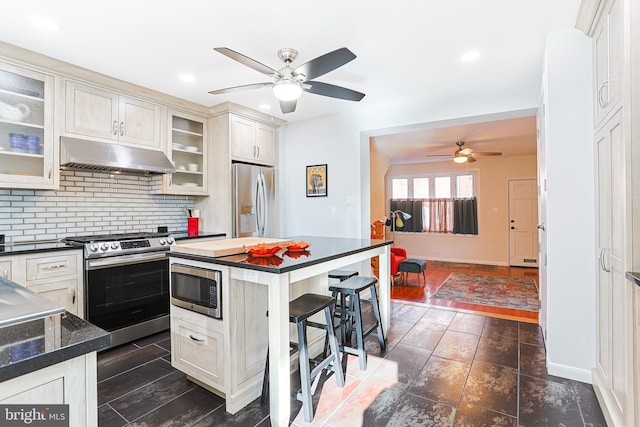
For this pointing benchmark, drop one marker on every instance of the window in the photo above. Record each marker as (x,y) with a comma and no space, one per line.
(438,203)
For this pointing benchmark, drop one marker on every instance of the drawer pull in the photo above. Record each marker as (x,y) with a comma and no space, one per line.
(54,267)
(195,339)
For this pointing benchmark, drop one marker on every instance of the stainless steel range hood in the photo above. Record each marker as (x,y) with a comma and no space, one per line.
(80,154)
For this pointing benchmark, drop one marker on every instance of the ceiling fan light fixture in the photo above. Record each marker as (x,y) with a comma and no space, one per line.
(460,159)
(287,90)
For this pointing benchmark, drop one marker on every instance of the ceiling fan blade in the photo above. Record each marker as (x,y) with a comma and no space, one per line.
(471,159)
(245,60)
(333,91)
(465,151)
(486,153)
(325,63)
(288,106)
(239,88)
(438,155)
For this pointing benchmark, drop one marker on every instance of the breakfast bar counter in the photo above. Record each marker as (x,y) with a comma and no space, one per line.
(249,280)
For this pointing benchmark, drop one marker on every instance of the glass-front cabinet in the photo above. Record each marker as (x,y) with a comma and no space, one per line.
(187,150)
(26,129)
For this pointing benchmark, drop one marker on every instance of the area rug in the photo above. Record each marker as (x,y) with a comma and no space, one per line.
(507,292)
(461,266)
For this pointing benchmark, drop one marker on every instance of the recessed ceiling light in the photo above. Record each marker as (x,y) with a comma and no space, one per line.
(265,106)
(45,23)
(470,56)
(187,78)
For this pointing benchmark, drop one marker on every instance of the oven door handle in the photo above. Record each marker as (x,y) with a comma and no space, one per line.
(94,264)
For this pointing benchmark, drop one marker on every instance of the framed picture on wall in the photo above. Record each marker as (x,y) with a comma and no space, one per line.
(317,181)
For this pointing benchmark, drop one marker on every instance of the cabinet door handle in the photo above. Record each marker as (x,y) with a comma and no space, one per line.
(73,297)
(196,339)
(6,273)
(115,127)
(601,92)
(121,128)
(258,149)
(49,169)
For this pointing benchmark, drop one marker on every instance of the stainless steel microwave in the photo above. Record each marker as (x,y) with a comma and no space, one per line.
(197,289)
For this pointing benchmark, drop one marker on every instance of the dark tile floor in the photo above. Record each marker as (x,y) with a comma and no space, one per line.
(441,368)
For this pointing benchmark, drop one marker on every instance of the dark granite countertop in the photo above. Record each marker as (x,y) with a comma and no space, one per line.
(182,235)
(33,345)
(634,277)
(321,249)
(9,249)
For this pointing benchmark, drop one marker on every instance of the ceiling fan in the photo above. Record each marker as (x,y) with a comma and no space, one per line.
(466,155)
(289,83)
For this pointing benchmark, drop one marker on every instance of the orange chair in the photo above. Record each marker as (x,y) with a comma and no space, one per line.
(377,230)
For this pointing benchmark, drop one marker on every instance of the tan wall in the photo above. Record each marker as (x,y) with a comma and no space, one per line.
(379,165)
(491,245)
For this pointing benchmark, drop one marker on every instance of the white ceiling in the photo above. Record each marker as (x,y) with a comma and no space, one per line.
(407,51)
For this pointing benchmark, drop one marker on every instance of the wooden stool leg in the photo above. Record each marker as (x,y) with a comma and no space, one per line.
(305,372)
(333,343)
(362,355)
(376,314)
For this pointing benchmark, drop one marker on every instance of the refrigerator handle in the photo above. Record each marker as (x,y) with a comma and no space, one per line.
(265,204)
(258,205)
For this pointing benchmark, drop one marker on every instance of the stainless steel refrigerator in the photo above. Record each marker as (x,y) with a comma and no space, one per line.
(253,189)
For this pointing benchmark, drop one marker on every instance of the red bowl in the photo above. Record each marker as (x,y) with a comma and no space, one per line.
(263,250)
(298,247)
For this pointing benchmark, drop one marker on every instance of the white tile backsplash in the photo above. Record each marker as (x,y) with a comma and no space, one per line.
(91,203)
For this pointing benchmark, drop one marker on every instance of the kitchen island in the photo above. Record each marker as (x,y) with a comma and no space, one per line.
(47,355)
(250,287)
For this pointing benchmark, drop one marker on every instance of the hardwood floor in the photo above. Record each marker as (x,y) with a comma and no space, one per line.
(421,291)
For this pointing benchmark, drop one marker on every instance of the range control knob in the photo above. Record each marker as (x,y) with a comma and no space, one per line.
(104,246)
(93,247)
(114,245)
(162,241)
(170,240)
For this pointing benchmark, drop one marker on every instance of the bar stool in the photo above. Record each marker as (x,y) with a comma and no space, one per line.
(349,310)
(342,274)
(300,309)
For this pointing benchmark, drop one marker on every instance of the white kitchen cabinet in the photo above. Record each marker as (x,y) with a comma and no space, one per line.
(187,148)
(197,347)
(70,382)
(27,146)
(252,141)
(98,113)
(58,276)
(5,269)
(613,26)
(608,60)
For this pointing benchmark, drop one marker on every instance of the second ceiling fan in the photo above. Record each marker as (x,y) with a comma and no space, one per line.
(289,82)
(466,155)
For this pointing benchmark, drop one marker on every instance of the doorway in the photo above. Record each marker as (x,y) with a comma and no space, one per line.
(523,223)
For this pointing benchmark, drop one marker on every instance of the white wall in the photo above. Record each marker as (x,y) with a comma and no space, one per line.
(567,93)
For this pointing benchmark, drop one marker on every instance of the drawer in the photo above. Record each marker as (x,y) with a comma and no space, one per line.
(45,267)
(198,352)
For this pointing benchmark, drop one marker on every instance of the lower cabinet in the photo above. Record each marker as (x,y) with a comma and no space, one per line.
(71,382)
(58,276)
(197,347)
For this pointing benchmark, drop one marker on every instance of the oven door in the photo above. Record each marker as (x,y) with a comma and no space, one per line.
(126,290)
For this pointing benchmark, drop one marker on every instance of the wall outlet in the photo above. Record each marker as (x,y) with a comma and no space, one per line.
(350,200)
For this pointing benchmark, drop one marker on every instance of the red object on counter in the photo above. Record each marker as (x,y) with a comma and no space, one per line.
(192,226)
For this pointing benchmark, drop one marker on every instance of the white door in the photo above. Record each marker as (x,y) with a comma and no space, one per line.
(523,223)
(542,219)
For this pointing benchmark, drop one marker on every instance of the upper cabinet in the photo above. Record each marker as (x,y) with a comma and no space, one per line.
(95,112)
(252,141)
(188,151)
(608,59)
(27,149)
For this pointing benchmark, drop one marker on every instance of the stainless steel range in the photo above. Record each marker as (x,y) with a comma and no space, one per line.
(126,283)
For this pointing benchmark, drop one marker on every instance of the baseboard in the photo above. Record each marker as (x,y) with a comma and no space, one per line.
(464,261)
(570,372)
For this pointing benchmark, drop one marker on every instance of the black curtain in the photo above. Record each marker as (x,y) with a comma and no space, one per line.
(413,208)
(465,216)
